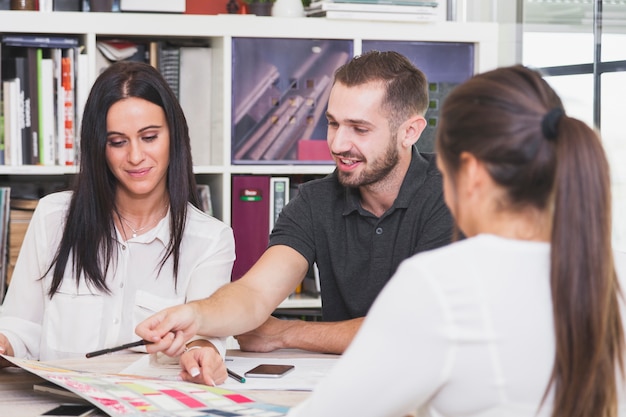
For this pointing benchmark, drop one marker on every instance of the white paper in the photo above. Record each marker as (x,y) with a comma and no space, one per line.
(308,372)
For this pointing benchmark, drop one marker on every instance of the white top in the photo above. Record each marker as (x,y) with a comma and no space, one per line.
(466,329)
(80,320)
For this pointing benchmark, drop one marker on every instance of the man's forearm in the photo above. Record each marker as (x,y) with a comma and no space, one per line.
(231,310)
(324,337)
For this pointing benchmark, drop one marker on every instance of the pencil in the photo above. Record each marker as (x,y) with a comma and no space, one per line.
(235,376)
(117,348)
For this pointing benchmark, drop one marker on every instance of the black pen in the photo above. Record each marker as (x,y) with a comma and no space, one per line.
(235,376)
(117,348)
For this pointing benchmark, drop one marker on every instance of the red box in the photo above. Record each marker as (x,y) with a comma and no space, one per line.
(313,150)
(206,7)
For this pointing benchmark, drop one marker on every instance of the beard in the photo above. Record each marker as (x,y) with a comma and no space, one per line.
(377,171)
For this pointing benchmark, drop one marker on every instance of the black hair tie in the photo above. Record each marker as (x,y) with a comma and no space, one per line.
(550,121)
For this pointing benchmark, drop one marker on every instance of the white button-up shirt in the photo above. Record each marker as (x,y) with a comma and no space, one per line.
(80,319)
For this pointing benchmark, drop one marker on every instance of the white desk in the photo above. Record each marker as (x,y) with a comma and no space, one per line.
(17,398)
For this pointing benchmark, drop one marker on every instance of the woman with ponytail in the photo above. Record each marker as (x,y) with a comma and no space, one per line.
(524,316)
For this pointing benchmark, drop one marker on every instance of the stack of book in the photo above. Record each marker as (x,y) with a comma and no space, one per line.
(44,87)
(386,10)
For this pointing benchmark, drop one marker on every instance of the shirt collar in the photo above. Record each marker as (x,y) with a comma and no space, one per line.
(160,232)
(413,180)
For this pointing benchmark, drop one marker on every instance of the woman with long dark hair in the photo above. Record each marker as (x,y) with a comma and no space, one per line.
(127,241)
(524,316)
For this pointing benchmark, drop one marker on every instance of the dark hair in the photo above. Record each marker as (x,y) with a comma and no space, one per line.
(407,87)
(89,231)
(497,117)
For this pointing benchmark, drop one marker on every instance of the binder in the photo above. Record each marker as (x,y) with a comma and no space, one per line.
(250,220)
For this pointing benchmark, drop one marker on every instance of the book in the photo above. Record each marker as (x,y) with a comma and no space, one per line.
(117,49)
(434,10)
(113,50)
(37,41)
(279,197)
(33,56)
(195,100)
(19,220)
(47,127)
(168,64)
(45,5)
(373,7)
(375,16)
(59,106)
(250,220)
(163,6)
(12,130)
(16,66)
(204,195)
(67,82)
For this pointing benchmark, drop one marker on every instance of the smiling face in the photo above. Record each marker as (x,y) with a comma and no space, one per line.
(137,150)
(363,147)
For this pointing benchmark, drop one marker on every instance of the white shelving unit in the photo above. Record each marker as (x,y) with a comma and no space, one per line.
(220,30)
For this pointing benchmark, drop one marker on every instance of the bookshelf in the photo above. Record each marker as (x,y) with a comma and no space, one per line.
(221,32)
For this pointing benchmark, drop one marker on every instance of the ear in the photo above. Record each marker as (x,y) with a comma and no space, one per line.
(411,130)
(471,173)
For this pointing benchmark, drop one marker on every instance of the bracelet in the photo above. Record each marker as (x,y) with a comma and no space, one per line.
(188,348)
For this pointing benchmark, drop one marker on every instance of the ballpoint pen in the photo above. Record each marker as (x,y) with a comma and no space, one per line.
(117,348)
(235,376)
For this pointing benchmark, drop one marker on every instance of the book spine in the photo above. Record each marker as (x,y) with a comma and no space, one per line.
(68,106)
(59,107)
(169,65)
(47,129)
(279,197)
(40,111)
(21,71)
(393,17)
(378,8)
(12,133)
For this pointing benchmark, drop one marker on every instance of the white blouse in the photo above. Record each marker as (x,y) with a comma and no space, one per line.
(82,319)
(464,330)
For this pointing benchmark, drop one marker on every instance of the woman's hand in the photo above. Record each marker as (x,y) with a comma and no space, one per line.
(201,363)
(6,349)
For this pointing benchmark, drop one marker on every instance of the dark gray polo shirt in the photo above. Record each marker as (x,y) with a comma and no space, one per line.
(355,251)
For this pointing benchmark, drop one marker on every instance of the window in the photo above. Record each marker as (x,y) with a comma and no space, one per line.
(579,45)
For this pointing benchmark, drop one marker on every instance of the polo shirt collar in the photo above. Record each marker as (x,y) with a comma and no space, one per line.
(413,180)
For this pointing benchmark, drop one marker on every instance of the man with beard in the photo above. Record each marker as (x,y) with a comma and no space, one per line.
(382,204)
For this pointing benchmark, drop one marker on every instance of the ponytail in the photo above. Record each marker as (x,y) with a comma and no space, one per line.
(513,121)
(588,328)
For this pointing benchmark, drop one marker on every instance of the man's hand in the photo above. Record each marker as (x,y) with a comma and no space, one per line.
(169,329)
(203,364)
(267,337)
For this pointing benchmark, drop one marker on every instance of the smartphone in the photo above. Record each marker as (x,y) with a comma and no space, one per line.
(269,371)
(71,410)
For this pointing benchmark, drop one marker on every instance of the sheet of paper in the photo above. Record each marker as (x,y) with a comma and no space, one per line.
(308,372)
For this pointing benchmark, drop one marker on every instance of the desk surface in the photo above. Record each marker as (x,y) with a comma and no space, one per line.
(18,399)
